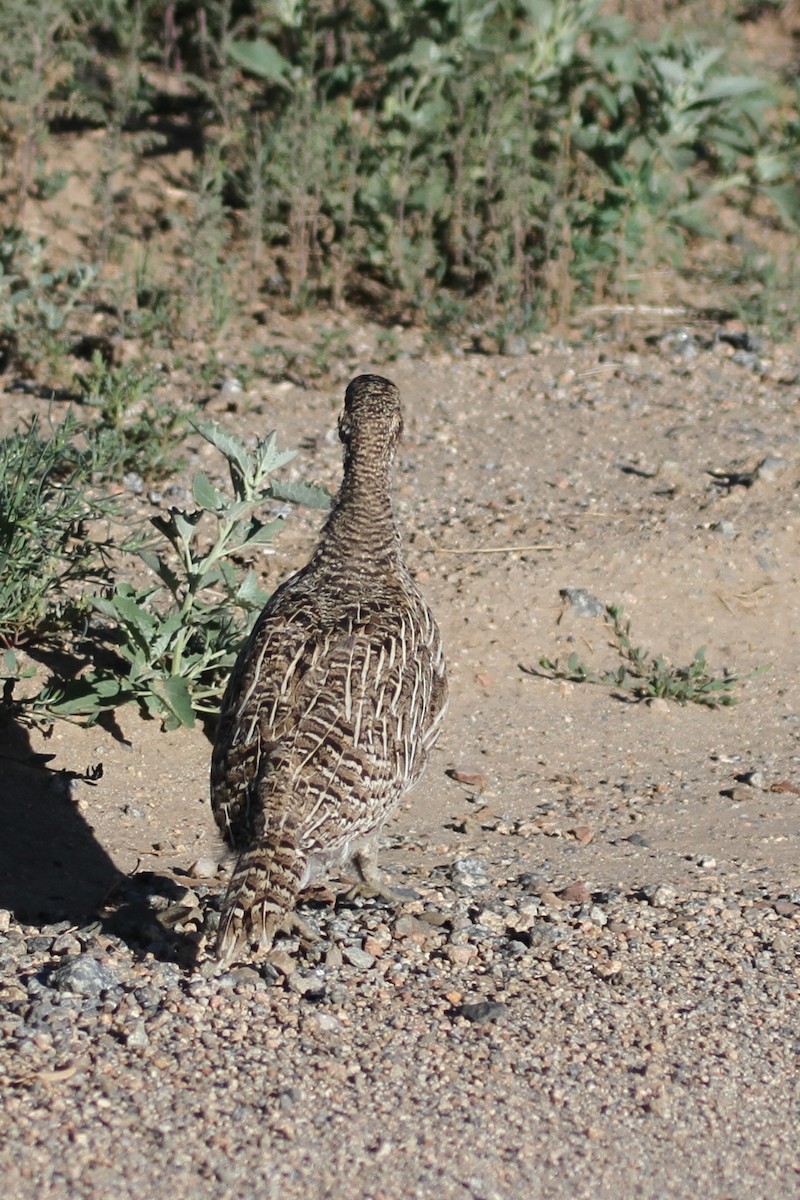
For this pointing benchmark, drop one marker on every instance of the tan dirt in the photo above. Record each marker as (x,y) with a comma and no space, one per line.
(575,465)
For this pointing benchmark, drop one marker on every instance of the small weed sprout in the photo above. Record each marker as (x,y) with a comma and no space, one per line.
(645,676)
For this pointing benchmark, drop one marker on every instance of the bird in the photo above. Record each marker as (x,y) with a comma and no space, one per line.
(334,703)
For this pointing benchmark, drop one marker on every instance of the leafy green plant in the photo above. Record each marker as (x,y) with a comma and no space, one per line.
(41,54)
(48,543)
(38,300)
(131,429)
(175,640)
(646,676)
(489,149)
(495,156)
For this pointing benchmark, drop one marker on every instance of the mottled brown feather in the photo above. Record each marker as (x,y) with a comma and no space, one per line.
(336,699)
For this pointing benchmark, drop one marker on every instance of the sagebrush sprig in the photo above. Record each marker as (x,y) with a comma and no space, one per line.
(647,676)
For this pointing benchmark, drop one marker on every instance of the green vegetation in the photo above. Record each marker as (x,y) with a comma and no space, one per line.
(169,645)
(440,160)
(648,677)
(47,514)
(132,431)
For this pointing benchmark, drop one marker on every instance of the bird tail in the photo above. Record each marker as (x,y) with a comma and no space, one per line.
(262,893)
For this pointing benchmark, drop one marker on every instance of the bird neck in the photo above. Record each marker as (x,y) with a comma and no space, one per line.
(361,526)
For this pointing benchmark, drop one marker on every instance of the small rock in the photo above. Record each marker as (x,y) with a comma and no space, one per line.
(663,896)
(84,975)
(514,345)
(637,839)
(311,985)
(706,862)
(659,706)
(746,358)
(373,947)
(680,342)
(246,975)
(725,528)
(471,779)
(582,834)
(203,868)
(282,962)
(67,943)
(231,386)
(470,872)
(326,1022)
(481,1011)
(5,920)
(583,603)
(412,928)
(755,779)
(137,1035)
(358,958)
(576,893)
(133,482)
(459,956)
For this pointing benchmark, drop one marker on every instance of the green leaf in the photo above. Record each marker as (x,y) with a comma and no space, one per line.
(249,595)
(177,697)
(162,569)
(786,198)
(727,87)
(262,535)
(269,457)
(134,616)
(311,495)
(206,495)
(262,59)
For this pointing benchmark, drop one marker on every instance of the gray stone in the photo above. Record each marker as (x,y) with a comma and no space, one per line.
(357,957)
(482,1011)
(583,603)
(84,975)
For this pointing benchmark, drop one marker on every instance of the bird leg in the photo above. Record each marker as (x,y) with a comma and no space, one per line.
(371,883)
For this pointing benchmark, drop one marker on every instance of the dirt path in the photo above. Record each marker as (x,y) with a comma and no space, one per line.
(646,1039)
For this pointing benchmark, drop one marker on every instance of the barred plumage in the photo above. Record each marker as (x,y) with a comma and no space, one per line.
(334,702)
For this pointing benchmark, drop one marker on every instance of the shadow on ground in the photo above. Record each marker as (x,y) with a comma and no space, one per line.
(52,868)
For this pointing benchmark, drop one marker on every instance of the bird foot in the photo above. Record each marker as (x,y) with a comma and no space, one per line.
(294,926)
(371,884)
(372,891)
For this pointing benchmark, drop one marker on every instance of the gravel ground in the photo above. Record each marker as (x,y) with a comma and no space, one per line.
(491,1038)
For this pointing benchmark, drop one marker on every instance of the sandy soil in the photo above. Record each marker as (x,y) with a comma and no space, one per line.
(660,471)
(600,467)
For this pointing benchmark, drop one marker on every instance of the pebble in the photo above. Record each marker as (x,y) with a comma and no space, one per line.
(771,467)
(358,958)
(663,896)
(605,1000)
(514,345)
(470,872)
(83,975)
(203,868)
(583,602)
(481,1012)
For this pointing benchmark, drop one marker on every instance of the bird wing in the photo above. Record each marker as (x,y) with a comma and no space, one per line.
(338,722)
